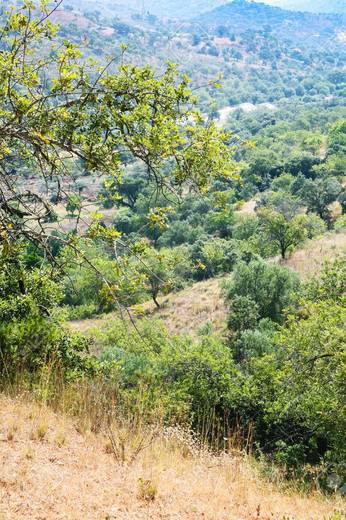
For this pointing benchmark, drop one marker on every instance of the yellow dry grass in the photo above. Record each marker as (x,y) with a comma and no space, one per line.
(310,259)
(187,311)
(184,312)
(67,475)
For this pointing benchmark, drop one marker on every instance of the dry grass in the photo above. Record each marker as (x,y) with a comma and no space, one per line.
(187,311)
(310,259)
(66,223)
(248,208)
(184,312)
(78,479)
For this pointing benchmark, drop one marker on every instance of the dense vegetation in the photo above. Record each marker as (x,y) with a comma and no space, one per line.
(166,185)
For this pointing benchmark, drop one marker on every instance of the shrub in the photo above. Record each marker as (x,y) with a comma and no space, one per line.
(243,313)
(213,256)
(313,352)
(190,381)
(270,286)
(256,342)
(245,227)
(340,224)
(31,336)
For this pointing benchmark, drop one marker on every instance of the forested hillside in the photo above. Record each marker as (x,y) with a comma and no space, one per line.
(172,261)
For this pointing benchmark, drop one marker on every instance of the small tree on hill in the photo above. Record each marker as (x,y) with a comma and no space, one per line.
(158,270)
(270,286)
(283,232)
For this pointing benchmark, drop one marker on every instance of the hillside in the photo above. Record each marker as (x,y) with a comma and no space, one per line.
(167,187)
(163,8)
(184,10)
(52,470)
(241,14)
(202,304)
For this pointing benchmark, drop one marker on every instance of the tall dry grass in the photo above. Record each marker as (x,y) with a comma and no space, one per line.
(68,450)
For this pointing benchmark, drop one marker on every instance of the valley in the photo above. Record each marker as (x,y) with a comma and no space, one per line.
(172,260)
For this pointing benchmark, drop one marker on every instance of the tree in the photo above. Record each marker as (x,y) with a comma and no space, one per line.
(282,202)
(330,285)
(283,232)
(85,117)
(31,335)
(319,194)
(337,138)
(158,270)
(213,256)
(270,286)
(314,369)
(243,314)
(124,192)
(245,227)
(74,203)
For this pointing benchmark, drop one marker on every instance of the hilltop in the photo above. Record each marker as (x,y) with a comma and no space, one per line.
(163,8)
(185,10)
(242,14)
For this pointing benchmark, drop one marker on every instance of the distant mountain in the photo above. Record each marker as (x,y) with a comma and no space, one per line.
(185,9)
(314,6)
(242,15)
(193,8)
(169,8)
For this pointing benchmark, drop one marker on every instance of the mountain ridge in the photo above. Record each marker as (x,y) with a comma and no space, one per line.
(239,15)
(182,9)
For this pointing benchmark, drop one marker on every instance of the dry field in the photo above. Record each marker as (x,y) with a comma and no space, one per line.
(52,471)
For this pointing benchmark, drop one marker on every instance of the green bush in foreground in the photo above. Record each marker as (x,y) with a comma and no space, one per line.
(31,335)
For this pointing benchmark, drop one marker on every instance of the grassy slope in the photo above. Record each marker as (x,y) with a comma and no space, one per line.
(51,471)
(190,309)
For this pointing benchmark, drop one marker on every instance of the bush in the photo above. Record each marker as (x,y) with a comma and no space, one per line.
(270,286)
(340,224)
(212,257)
(313,225)
(82,312)
(255,342)
(31,336)
(193,382)
(245,227)
(313,351)
(243,313)
(179,233)
(85,285)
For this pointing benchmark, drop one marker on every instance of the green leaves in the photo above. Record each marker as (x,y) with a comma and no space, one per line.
(285,233)
(269,285)
(315,369)
(82,117)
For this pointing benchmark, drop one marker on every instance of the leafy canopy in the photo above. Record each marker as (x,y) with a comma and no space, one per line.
(59,111)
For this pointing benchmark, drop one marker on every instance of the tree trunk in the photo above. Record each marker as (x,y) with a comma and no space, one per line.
(155,301)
